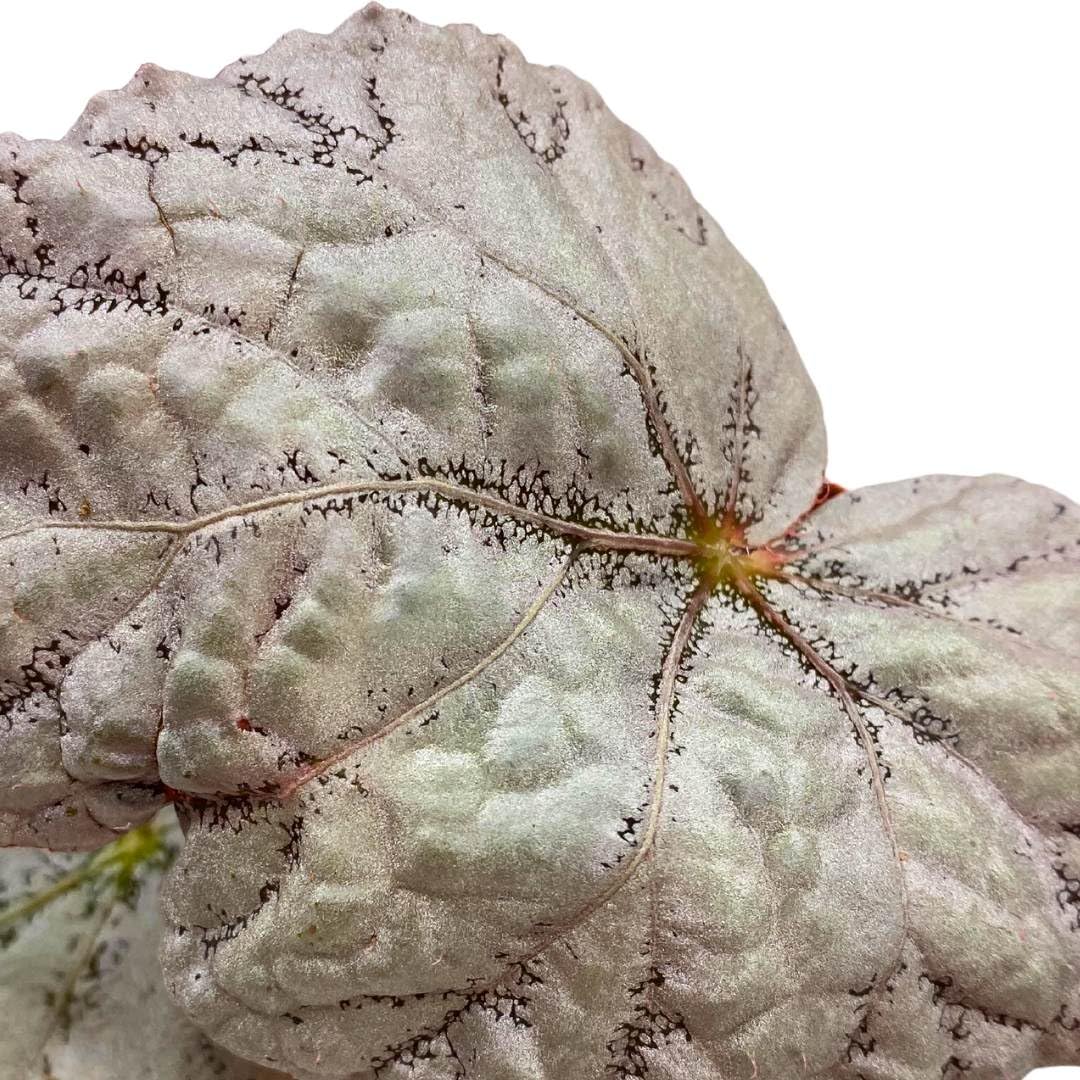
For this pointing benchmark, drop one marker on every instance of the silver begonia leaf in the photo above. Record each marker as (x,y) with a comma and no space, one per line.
(403,477)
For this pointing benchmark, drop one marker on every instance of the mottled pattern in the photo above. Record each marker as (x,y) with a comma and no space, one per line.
(403,477)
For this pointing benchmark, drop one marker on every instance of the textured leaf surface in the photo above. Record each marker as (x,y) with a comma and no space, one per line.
(403,476)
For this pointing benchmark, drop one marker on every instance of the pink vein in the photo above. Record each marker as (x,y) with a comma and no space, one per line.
(665,705)
(322,766)
(601,539)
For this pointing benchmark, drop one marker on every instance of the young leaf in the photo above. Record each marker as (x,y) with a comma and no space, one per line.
(79,983)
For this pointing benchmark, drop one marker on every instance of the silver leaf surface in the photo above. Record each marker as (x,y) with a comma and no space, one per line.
(403,477)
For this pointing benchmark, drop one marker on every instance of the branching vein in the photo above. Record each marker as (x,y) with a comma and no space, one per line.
(324,765)
(595,538)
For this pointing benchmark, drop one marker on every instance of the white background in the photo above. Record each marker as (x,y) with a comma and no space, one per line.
(905,176)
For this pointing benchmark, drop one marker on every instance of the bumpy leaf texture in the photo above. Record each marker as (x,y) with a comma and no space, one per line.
(403,477)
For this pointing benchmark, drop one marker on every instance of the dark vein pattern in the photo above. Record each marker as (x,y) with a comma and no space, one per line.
(403,479)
